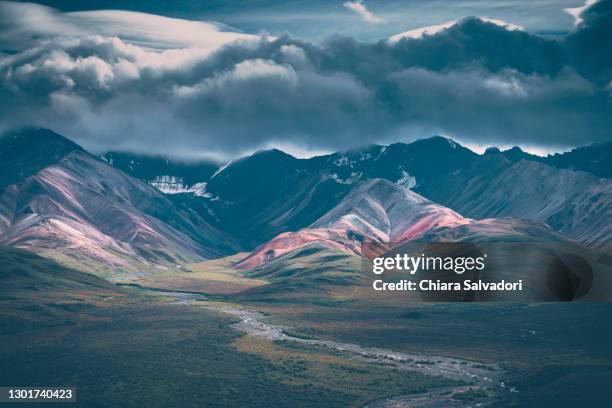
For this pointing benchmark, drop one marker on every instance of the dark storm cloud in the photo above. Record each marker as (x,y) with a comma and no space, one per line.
(475,81)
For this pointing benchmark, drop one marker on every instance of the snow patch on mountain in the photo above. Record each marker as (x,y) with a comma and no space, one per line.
(406,181)
(175,185)
(225,166)
(169,184)
(199,189)
(343,161)
(354,178)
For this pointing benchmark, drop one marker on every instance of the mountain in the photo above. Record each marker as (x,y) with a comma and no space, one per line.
(411,165)
(576,203)
(27,151)
(73,207)
(382,214)
(594,159)
(516,154)
(169,175)
(376,210)
(269,192)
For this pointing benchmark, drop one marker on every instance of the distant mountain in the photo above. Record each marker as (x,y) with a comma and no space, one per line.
(380,212)
(594,159)
(576,203)
(269,192)
(411,165)
(516,154)
(73,207)
(170,176)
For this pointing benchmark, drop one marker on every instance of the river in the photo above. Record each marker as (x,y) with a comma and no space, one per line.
(485,379)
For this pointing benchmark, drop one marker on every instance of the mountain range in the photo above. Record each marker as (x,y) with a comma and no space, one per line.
(270,192)
(121,211)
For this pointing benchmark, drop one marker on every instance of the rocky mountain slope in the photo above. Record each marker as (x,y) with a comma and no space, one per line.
(75,208)
(576,203)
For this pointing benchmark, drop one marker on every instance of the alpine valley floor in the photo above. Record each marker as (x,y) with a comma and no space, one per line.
(127,346)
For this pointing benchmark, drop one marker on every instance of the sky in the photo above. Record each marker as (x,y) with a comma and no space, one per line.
(218,79)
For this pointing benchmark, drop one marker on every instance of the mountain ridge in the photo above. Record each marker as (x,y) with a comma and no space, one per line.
(250,201)
(382,214)
(90,215)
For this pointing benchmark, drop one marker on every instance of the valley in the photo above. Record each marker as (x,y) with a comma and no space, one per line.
(146,281)
(391,354)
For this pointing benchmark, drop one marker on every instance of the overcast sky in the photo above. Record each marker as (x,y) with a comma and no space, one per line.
(220,79)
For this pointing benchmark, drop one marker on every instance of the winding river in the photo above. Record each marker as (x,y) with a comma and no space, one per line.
(484,379)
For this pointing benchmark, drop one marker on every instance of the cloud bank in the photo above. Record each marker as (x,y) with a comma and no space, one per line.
(361,10)
(113,82)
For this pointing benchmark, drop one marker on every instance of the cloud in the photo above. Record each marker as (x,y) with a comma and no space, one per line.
(360,9)
(576,12)
(23,25)
(475,81)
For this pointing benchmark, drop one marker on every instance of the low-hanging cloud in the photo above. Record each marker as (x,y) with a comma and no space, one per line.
(475,81)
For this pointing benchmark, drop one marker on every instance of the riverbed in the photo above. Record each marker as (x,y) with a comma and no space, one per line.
(484,380)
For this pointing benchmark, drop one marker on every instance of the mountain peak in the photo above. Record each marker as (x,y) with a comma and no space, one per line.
(44,136)
(436,140)
(273,154)
(29,150)
(516,154)
(383,190)
(594,159)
